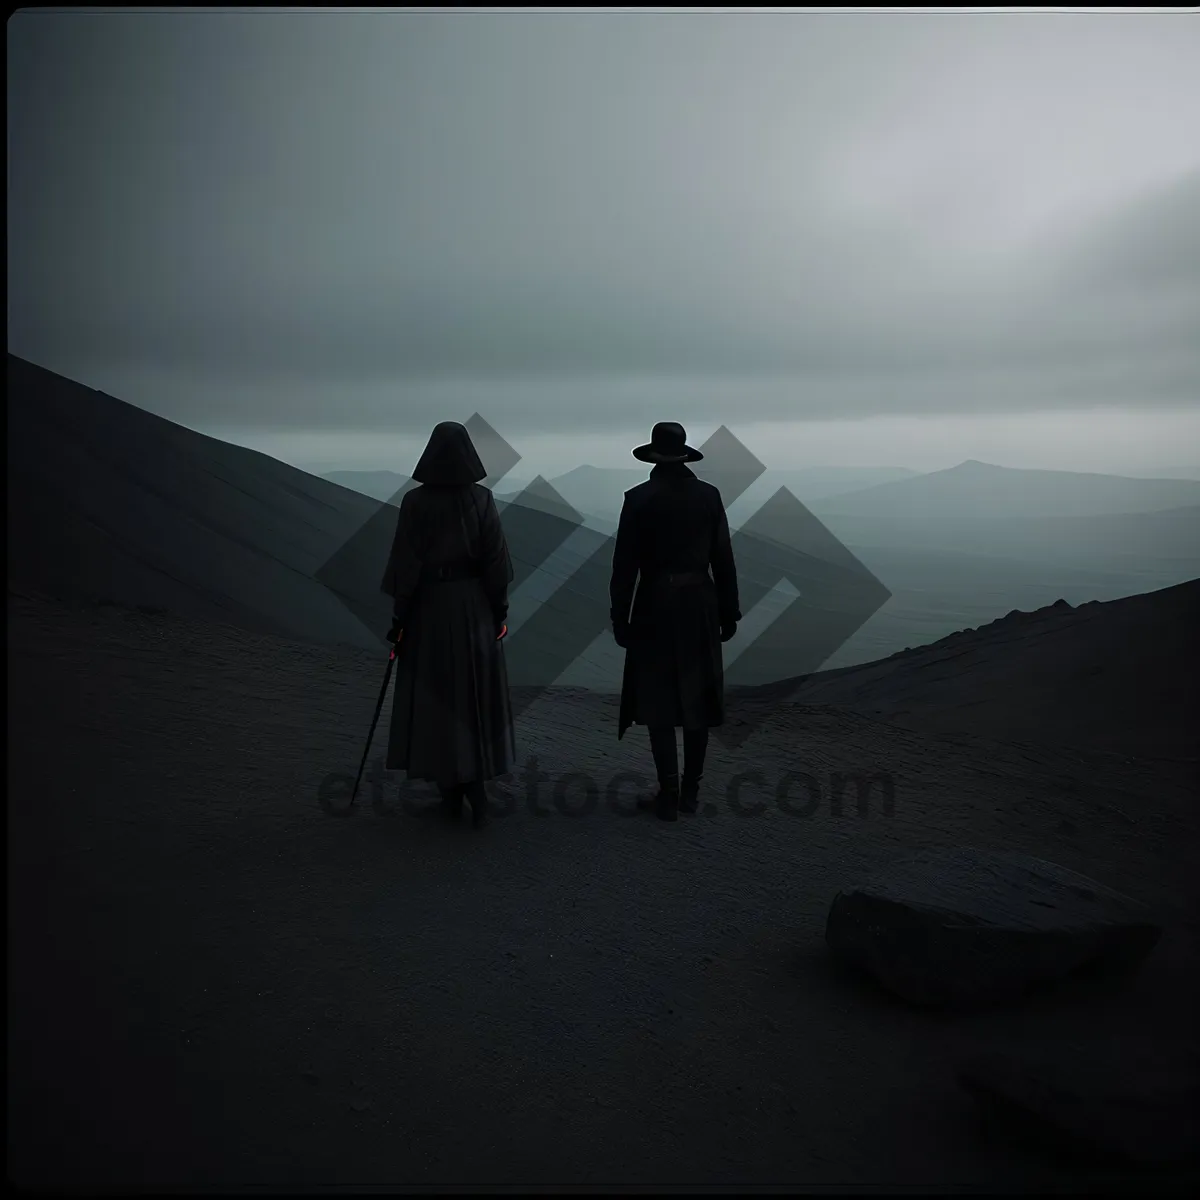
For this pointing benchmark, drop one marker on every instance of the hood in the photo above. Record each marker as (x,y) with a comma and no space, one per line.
(450,457)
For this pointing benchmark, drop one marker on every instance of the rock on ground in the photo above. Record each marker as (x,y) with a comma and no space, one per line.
(967,926)
(1106,1102)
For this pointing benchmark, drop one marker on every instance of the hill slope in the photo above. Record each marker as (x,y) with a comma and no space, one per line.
(109,501)
(1111,676)
(378,485)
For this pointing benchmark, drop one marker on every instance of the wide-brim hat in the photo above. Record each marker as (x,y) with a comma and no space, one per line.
(667,444)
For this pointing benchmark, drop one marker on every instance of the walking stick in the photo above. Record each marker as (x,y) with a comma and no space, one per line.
(387,675)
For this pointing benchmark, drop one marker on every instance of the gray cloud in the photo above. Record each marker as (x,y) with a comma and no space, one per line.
(1149,247)
(340,220)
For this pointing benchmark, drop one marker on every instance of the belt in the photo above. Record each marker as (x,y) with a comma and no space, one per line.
(679,578)
(448,572)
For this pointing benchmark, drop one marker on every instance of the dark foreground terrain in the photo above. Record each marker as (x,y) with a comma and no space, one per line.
(215,983)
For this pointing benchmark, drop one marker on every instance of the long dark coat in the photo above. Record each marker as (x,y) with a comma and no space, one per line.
(674,673)
(452,717)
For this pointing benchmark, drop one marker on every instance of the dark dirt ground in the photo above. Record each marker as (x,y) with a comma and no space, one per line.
(212,983)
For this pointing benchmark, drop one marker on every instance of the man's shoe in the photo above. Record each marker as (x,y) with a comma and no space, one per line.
(689,795)
(666,803)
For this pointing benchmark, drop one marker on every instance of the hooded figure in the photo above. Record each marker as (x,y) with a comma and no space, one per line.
(673,543)
(448,574)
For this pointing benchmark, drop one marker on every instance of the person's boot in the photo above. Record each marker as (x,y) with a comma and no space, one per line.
(451,803)
(666,803)
(477,796)
(689,795)
(649,800)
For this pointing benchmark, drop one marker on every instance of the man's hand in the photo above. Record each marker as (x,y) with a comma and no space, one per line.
(728,629)
(501,630)
(395,632)
(621,634)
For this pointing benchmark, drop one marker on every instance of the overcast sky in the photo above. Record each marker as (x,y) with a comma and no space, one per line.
(862,238)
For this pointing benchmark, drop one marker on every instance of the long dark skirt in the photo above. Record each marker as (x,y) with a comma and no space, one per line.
(452,719)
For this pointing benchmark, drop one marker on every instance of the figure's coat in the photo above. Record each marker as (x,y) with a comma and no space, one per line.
(674,673)
(452,717)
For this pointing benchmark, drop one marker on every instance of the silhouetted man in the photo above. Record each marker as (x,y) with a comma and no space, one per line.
(673,529)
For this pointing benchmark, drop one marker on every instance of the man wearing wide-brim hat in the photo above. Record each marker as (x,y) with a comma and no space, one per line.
(673,544)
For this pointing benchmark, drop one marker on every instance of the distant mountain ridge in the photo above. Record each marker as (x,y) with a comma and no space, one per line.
(1168,534)
(899,497)
(386,485)
(599,491)
(975,490)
